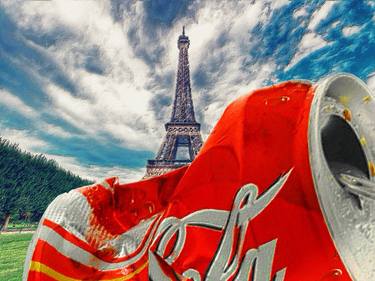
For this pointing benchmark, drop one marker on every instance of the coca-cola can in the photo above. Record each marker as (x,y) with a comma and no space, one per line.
(283,189)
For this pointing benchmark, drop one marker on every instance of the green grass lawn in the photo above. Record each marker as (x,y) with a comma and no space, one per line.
(13,249)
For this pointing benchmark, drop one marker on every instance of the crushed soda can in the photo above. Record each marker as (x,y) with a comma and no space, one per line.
(283,189)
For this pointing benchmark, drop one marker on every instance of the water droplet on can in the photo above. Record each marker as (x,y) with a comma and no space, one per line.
(347,114)
(276,100)
(150,207)
(344,100)
(366,99)
(333,275)
(371,167)
(329,108)
(363,141)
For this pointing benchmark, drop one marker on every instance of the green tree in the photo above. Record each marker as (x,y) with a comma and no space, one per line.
(28,183)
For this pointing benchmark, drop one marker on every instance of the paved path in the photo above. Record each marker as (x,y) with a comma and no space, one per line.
(17,232)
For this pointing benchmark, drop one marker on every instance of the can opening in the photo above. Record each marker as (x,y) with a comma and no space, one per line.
(343,151)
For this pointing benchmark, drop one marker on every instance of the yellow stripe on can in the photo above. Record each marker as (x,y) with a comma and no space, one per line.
(42,268)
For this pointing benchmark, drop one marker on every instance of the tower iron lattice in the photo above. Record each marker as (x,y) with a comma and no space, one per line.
(183,138)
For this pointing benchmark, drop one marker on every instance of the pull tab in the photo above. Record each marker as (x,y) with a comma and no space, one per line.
(358,186)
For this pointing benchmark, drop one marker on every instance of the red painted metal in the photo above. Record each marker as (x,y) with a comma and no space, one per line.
(260,138)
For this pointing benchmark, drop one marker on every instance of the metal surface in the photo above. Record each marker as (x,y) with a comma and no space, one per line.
(358,186)
(341,144)
(282,190)
(183,132)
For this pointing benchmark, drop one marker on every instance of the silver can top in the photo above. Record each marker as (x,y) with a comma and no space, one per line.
(342,156)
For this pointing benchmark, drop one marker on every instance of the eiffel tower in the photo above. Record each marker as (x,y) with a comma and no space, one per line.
(183,139)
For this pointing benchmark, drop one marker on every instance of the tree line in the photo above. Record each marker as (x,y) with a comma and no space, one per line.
(28,183)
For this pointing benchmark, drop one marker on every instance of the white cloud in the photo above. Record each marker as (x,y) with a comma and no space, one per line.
(371,82)
(54,130)
(97,173)
(277,4)
(76,108)
(320,14)
(350,30)
(29,142)
(25,139)
(109,113)
(223,64)
(308,44)
(336,23)
(15,103)
(301,12)
(118,101)
(311,41)
(233,21)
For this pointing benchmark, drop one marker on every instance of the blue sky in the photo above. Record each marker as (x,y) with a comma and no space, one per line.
(90,83)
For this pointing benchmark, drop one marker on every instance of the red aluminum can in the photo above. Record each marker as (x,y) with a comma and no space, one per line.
(281,190)
(293,140)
